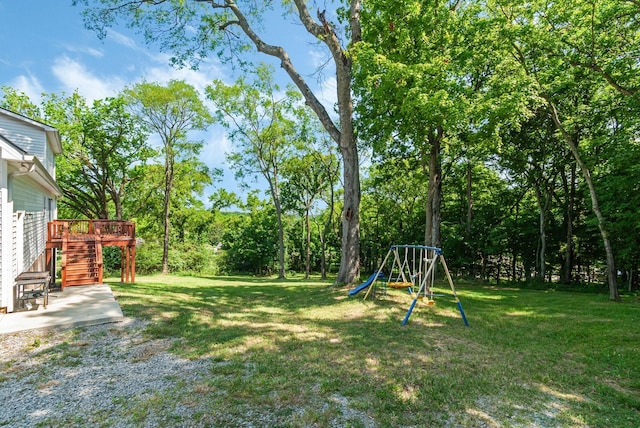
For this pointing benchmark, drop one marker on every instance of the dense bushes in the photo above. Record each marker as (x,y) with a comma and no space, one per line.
(183,258)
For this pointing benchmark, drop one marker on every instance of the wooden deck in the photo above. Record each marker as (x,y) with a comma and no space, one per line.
(81,242)
(118,233)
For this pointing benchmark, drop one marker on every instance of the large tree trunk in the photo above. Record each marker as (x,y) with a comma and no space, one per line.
(542,207)
(343,134)
(569,185)
(595,207)
(349,271)
(168,184)
(469,200)
(434,191)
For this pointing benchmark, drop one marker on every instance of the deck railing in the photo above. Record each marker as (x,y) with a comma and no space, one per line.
(76,228)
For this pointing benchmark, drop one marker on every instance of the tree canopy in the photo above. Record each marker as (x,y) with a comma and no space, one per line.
(171,111)
(506,133)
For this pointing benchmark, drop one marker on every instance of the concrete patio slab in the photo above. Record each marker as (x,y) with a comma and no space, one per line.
(73,307)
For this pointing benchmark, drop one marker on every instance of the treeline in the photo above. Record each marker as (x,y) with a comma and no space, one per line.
(506,133)
(492,223)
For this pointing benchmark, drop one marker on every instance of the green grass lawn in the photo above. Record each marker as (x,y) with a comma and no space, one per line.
(304,353)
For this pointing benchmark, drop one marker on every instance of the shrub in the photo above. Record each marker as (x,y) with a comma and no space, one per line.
(183,258)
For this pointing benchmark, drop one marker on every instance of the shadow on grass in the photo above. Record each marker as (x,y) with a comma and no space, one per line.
(294,341)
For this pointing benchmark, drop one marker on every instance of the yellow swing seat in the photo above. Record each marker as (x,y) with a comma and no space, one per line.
(399,284)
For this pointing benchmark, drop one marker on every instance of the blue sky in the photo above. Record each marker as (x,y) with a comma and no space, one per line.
(45,48)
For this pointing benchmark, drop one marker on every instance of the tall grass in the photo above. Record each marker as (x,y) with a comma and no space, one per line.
(298,353)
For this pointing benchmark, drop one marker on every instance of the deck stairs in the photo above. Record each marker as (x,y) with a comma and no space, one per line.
(82,261)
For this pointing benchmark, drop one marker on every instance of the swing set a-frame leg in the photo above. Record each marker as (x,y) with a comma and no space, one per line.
(453,290)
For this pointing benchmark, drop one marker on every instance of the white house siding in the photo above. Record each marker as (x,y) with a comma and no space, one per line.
(27,200)
(26,195)
(50,162)
(6,247)
(15,268)
(24,212)
(35,237)
(2,199)
(29,138)
(32,202)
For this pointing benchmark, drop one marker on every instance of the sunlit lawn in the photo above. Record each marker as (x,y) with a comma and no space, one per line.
(306,354)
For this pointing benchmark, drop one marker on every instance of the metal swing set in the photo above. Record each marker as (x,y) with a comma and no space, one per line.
(412,269)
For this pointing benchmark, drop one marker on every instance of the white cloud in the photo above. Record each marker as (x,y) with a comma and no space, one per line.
(327,93)
(216,147)
(30,85)
(123,40)
(96,53)
(199,79)
(157,68)
(74,75)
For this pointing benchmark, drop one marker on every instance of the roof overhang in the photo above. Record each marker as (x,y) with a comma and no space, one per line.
(54,137)
(30,166)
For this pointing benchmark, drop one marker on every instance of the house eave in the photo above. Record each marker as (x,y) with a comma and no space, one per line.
(31,166)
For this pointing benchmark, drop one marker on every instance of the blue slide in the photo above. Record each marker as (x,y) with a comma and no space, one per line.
(365,284)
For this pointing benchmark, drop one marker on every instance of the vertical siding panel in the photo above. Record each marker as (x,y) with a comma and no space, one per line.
(34,237)
(50,162)
(2,198)
(14,245)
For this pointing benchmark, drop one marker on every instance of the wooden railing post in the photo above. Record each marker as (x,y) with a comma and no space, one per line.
(98,248)
(65,245)
(132,253)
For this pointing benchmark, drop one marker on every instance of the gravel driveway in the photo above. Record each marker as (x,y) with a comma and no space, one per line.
(113,375)
(94,376)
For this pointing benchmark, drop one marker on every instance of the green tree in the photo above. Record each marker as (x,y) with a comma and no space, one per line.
(602,37)
(394,198)
(171,112)
(249,241)
(189,217)
(577,97)
(19,102)
(337,30)
(420,85)
(221,200)
(266,125)
(532,155)
(100,172)
(327,222)
(306,180)
(101,143)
